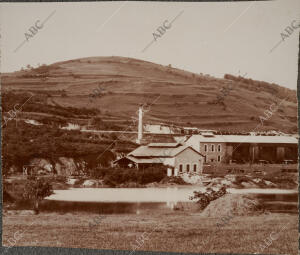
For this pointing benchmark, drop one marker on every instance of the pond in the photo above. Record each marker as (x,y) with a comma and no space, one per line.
(135,200)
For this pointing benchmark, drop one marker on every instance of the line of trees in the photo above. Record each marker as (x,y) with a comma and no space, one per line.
(253,85)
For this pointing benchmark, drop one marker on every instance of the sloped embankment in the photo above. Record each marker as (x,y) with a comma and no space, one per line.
(234,204)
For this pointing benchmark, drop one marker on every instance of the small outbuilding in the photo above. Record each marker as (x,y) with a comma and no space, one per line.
(177,157)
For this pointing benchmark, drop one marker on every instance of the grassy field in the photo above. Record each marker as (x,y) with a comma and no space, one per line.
(160,231)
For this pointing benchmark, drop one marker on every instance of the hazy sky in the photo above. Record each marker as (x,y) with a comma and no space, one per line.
(210,38)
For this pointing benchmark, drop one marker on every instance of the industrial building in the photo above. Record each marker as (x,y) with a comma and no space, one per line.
(245,148)
(178,158)
(218,148)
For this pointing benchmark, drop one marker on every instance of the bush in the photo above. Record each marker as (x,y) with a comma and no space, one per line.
(36,191)
(7,197)
(108,181)
(116,176)
(204,198)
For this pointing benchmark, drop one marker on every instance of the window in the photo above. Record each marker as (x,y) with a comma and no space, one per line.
(205,147)
(187,167)
(219,158)
(212,160)
(205,159)
(219,147)
(212,147)
(180,168)
(195,168)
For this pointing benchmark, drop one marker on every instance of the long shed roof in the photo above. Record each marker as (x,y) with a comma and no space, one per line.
(245,139)
(159,151)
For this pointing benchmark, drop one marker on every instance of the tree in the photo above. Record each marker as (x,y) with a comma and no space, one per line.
(36,190)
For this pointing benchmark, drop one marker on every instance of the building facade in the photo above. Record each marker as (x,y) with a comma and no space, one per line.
(188,161)
(178,158)
(213,152)
(243,148)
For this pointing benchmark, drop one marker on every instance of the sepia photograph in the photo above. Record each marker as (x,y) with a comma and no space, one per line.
(146,126)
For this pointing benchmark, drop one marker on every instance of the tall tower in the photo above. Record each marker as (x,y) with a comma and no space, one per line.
(140,127)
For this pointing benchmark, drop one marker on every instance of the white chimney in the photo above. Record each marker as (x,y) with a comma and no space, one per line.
(140,127)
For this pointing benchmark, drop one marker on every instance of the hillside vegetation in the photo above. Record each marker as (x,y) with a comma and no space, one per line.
(173,95)
(22,142)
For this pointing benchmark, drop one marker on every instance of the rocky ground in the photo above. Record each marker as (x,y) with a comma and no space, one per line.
(286,181)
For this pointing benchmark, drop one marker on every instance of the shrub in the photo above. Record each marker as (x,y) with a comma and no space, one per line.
(204,198)
(113,177)
(108,181)
(7,198)
(36,191)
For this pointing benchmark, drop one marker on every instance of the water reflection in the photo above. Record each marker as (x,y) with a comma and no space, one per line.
(170,194)
(124,194)
(138,200)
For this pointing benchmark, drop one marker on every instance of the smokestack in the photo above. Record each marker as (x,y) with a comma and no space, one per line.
(140,127)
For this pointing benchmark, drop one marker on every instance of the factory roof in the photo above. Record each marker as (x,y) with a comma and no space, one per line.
(146,160)
(245,139)
(160,150)
(165,145)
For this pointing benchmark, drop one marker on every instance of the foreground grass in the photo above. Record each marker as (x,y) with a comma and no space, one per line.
(172,232)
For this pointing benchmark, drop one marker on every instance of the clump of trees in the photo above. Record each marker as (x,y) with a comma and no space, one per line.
(36,190)
(204,198)
(253,85)
(116,176)
(24,142)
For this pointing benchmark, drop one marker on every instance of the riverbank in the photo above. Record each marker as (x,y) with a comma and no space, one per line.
(239,181)
(191,232)
(154,179)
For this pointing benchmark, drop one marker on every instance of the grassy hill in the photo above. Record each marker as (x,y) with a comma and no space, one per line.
(175,96)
